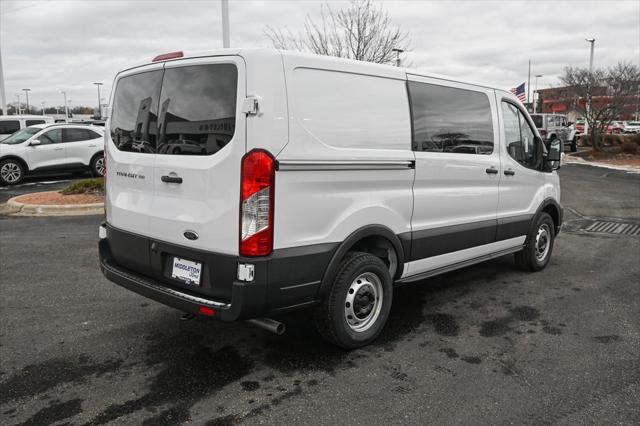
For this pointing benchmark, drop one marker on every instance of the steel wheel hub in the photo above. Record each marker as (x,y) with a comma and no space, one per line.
(10,172)
(543,240)
(363,302)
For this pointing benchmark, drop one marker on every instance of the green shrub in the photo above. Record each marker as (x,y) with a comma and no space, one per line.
(85,186)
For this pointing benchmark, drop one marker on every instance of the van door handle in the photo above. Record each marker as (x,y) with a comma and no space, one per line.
(509,172)
(171,179)
(57,149)
(491,171)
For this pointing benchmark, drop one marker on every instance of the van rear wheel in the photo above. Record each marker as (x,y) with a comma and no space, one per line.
(537,252)
(357,306)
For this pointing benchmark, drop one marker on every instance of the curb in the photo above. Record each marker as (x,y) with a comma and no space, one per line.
(16,208)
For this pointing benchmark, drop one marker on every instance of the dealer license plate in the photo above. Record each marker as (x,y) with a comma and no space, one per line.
(186,270)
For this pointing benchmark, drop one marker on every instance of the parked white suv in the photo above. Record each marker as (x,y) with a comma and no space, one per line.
(48,148)
(10,124)
(556,126)
(242,184)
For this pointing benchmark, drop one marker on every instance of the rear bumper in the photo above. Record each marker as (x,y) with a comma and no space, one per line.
(286,280)
(247,299)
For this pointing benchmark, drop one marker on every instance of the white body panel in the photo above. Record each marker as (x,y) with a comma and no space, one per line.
(338,112)
(453,188)
(341,132)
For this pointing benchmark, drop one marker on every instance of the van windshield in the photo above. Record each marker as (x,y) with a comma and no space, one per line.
(21,135)
(179,111)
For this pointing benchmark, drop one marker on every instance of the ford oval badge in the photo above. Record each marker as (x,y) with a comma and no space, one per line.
(191,235)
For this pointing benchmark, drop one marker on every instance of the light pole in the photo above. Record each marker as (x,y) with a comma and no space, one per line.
(42,104)
(66,108)
(535,94)
(3,94)
(26,92)
(398,52)
(226,42)
(98,114)
(18,109)
(592,42)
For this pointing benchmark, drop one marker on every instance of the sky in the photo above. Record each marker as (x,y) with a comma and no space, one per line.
(50,46)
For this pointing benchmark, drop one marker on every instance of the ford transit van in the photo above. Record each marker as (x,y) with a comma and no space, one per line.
(242,184)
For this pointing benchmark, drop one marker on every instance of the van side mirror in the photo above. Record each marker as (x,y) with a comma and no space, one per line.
(554,150)
(34,142)
(554,155)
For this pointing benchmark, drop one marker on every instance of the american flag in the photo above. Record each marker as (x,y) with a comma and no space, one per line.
(520,93)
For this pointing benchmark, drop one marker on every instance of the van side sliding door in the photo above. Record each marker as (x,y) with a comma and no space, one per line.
(455,140)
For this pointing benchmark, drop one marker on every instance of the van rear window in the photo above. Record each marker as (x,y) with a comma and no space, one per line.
(178,111)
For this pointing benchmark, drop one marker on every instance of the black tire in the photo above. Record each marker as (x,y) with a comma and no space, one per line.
(355,282)
(97,165)
(11,172)
(537,252)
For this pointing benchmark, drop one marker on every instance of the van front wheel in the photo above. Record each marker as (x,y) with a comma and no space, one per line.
(537,252)
(357,306)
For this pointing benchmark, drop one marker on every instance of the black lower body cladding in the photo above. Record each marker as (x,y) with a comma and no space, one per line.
(287,279)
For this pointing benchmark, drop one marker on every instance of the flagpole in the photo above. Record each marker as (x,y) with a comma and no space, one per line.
(529,84)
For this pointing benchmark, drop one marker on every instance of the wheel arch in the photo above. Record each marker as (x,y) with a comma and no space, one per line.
(373,239)
(554,209)
(20,160)
(93,157)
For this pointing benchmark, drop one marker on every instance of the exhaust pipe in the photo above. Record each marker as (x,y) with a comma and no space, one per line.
(268,324)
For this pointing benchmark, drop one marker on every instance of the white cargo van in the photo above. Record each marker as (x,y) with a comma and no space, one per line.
(242,184)
(10,124)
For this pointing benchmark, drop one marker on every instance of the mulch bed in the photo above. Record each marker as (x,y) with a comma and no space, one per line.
(54,197)
(614,158)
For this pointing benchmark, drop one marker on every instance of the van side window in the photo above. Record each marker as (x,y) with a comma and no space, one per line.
(447,119)
(9,126)
(518,135)
(32,122)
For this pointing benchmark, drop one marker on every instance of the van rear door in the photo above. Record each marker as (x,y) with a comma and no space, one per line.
(174,164)
(201,142)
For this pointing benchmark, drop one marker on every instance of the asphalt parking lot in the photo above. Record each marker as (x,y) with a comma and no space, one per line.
(485,345)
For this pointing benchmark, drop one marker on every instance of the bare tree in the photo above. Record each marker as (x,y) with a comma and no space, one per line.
(601,96)
(361,31)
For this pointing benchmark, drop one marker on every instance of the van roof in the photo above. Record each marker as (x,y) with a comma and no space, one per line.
(16,117)
(322,61)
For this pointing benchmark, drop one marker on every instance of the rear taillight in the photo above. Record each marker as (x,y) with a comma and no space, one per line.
(543,132)
(256,203)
